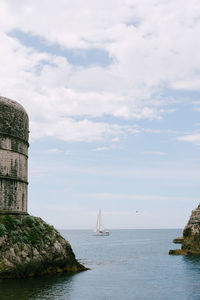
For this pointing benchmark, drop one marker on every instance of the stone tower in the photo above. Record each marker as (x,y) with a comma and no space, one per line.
(14,132)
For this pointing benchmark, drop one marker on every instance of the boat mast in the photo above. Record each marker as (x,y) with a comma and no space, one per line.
(101,225)
(100,219)
(97,225)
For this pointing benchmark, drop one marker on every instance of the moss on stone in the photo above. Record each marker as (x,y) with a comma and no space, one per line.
(2,229)
(29,220)
(49,228)
(9,222)
(31,247)
(177,252)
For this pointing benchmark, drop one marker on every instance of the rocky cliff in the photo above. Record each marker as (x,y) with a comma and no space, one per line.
(191,235)
(30,247)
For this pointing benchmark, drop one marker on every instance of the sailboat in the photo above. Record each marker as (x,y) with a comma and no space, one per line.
(99,229)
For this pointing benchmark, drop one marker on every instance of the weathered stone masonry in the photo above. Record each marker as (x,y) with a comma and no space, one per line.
(28,246)
(14,131)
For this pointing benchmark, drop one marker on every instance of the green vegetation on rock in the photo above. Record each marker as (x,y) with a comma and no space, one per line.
(191,236)
(31,247)
(2,229)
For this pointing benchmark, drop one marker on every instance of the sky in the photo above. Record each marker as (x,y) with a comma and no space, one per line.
(112,89)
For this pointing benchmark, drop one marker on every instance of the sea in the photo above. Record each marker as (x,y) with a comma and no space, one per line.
(127,265)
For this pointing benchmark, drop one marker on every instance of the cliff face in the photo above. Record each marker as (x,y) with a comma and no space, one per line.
(191,235)
(30,247)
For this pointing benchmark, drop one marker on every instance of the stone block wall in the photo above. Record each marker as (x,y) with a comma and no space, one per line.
(13,157)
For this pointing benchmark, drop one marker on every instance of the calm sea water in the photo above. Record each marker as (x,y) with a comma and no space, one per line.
(127,265)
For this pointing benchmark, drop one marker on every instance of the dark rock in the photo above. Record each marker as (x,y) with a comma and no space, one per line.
(191,235)
(177,252)
(30,247)
(178,240)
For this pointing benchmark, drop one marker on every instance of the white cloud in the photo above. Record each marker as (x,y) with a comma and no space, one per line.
(159,153)
(115,140)
(159,171)
(52,151)
(191,138)
(188,84)
(132,197)
(106,148)
(152,44)
(70,130)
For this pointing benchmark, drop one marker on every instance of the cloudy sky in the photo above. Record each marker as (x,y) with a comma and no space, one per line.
(112,91)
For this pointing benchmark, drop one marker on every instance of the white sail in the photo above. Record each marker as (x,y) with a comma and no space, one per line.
(99,228)
(97,224)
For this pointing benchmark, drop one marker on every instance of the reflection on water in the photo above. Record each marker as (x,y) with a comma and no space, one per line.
(193,259)
(49,287)
(127,265)
(192,263)
(192,274)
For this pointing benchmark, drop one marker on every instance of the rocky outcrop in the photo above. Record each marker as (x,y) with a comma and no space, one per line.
(191,236)
(177,252)
(30,247)
(178,240)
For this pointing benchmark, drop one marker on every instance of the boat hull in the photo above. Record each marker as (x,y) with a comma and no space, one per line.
(106,233)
